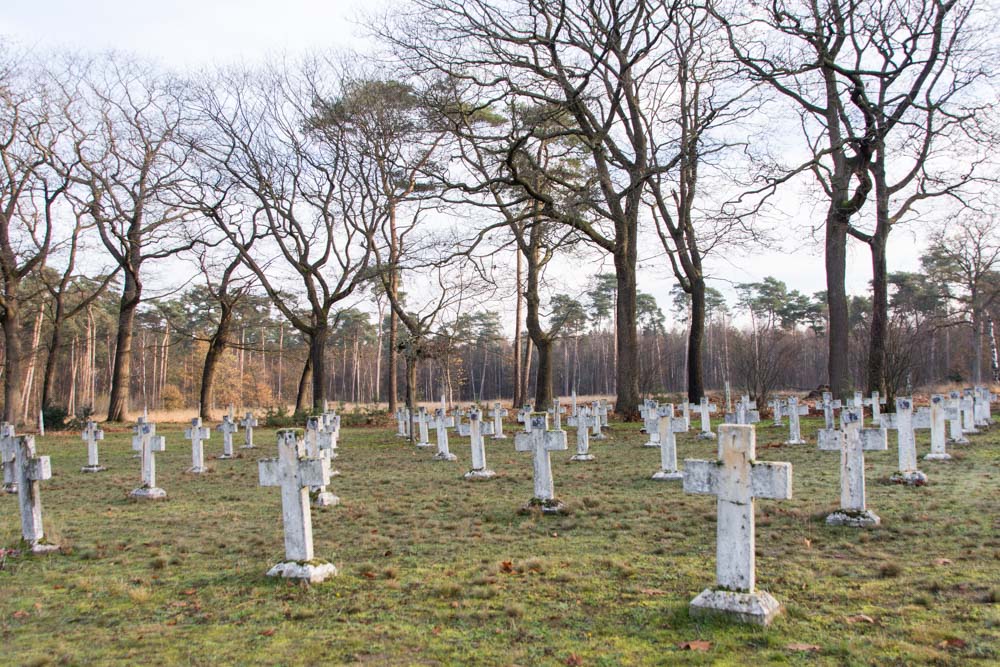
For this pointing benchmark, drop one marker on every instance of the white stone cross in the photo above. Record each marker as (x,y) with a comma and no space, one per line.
(91,435)
(32,469)
(685,413)
(969,412)
(650,420)
(746,412)
(296,474)
(423,421)
(583,421)
(197,434)
(318,446)
(829,405)
(852,446)
(857,401)
(982,399)
(902,422)
(602,412)
(249,423)
(573,409)
(737,478)
(402,423)
(540,441)
(476,429)
(8,452)
(557,411)
(777,410)
(228,427)
(706,409)
(668,426)
(595,409)
(938,415)
(330,429)
(794,411)
(147,443)
(875,403)
(955,419)
(441,424)
(523,415)
(498,413)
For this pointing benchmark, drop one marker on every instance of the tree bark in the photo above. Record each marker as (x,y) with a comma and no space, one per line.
(55,342)
(696,337)
(543,375)
(518,398)
(836,299)
(317,353)
(626,334)
(216,347)
(11,322)
(121,375)
(300,395)
(878,335)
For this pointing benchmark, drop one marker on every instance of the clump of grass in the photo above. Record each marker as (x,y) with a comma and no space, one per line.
(889,570)
(531,565)
(513,610)
(159,563)
(448,591)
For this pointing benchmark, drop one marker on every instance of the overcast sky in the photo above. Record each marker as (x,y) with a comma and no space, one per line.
(197,34)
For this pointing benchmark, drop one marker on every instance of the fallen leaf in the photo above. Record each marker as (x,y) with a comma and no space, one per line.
(268,633)
(861,618)
(942,561)
(808,542)
(507,566)
(574,660)
(951,643)
(189,591)
(696,645)
(368,575)
(21,614)
(796,646)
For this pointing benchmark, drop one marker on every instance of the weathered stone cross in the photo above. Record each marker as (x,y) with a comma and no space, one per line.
(707,409)
(296,474)
(955,419)
(902,422)
(423,419)
(441,424)
(595,409)
(92,435)
(317,446)
(852,446)
(737,478)
(197,434)
(475,429)
(875,403)
(540,441)
(938,415)
(829,405)
(8,452)
(228,427)
(557,411)
(147,443)
(32,469)
(249,423)
(777,409)
(969,412)
(667,426)
(583,420)
(794,411)
(402,422)
(498,413)
(650,421)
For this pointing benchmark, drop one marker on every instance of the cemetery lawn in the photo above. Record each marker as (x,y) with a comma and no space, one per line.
(438,570)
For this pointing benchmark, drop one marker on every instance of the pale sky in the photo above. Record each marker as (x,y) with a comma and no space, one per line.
(188,34)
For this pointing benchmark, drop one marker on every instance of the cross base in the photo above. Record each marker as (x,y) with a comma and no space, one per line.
(197,470)
(582,457)
(249,447)
(148,493)
(499,437)
(706,435)
(424,444)
(800,441)
(972,431)
(668,476)
(10,488)
(758,608)
(42,548)
(482,473)
(601,436)
(853,518)
(546,505)
(650,443)
(962,440)
(225,457)
(445,456)
(93,469)
(313,572)
(910,478)
(943,456)
(323,499)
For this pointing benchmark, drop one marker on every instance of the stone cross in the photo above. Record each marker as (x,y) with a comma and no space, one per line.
(685,414)
(857,401)
(442,423)
(402,422)
(938,415)
(668,426)
(737,478)
(330,428)
(852,446)
(557,411)
(423,421)
(876,402)
(746,412)
(92,435)
(955,419)
(295,474)
(8,453)
(706,409)
(650,421)
(829,405)
(573,409)
(902,422)
(147,443)
(583,420)
(982,399)
(476,429)
(602,412)
(595,409)
(523,415)
(227,427)
(794,411)
(318,445)
(540,441)
(197,434)
(777,407)
(498,413)
(969,412)
(249,423)
(32,469)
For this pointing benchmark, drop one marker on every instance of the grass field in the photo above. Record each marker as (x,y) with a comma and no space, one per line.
(438,570)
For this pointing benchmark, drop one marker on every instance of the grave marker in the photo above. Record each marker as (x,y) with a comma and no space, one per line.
(318,446)
(498,413)
(955,419)
(91,435)
(667,425)
(8,454)
(583,420)
(937,416)
(441,423)
(902,422)
(540,441)
(147,443)
(228,427)
(794,411)
(31,470)
(852,446)
(476,429)
(423,420)
(969,412)
(197,434)
(706,419)
(249,423)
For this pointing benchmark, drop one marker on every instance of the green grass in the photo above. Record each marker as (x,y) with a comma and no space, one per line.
(438,570)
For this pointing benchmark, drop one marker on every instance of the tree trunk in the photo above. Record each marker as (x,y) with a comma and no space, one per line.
(411,393)
(11,322)
(518,398)
(626,337)
(300,395)
(121,375)
(317,352)
(543,375)
(977,346)
(55,342)
(836,299)
(878,335)
(696,337)
(216,346)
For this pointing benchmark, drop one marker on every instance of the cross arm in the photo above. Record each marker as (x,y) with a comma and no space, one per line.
(771,480)
(268,472)
(39,468)
(314,472)
(701,476)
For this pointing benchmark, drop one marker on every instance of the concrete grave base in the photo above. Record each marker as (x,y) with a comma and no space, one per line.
(424,444)
(148,493)
(668,476)
(582,457)
(445,456)
(10,488)
(313,572)
(958,441)
(249,447)
(499,437)
(323,499)
(197,470)
(226,457)
(599,437)
(853,518)
(943,456)
(911,478)
(484,473)
(650,444)
(93,469)
(550,506)
(706,435)
(758,608)
(974,431)
(41,548)
(795,442)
